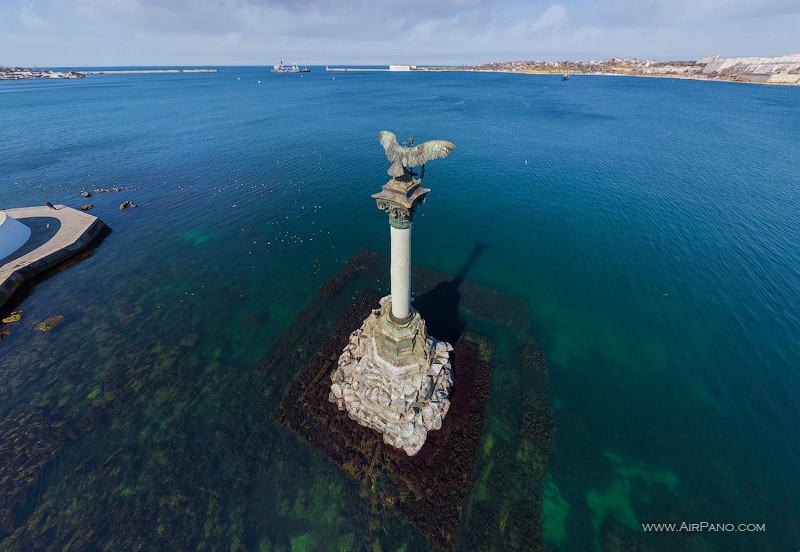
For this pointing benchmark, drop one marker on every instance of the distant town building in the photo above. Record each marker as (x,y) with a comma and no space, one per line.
(402,67)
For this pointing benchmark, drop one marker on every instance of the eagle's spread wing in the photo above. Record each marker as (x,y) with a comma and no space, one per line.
(389,142)
(427,151)
(401,156)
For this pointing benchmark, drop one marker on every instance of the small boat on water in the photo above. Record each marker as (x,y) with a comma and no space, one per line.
(565,76)
(281,68)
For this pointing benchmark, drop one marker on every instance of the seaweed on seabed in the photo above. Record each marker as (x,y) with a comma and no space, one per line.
(534,442)
(505,504)
(428,489)
(363,260)
(30,442)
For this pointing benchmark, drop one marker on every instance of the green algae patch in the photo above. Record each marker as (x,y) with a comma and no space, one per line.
(555,511)
(650,476)
(703,395)
(198,236)
(347,542)
(503,518)
(616,502)
(303,543)
(94,393)
(488,443)
(482,484)
(485,345)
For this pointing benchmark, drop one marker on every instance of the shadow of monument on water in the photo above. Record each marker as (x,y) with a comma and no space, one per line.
(439,306)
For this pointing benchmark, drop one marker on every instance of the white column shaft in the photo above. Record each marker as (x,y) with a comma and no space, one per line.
(401,271)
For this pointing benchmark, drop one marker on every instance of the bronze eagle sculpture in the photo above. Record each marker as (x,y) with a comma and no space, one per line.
(404,158)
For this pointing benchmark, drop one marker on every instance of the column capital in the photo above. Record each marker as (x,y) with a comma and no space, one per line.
(400,198)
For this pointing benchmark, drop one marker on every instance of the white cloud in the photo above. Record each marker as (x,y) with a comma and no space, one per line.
(151,32)
(553,18)
(29,18)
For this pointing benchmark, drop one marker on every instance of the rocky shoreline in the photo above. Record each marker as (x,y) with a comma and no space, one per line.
(781,70)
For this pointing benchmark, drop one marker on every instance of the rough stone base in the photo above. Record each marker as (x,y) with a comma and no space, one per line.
(395,380)
(470,487)
(429,490)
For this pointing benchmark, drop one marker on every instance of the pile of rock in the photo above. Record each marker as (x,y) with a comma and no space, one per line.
(401,402)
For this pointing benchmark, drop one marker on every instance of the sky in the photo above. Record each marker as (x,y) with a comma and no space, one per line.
(85,33)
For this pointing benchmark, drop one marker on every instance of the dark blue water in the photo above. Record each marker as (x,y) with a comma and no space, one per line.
(651,225)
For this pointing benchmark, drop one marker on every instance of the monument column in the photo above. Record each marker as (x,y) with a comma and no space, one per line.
(392,376)
(400,198)
(401,273)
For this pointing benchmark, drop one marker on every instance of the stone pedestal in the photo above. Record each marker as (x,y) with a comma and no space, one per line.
(395,380)
(393,377)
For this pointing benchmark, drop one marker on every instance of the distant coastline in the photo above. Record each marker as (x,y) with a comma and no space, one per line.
(782,70)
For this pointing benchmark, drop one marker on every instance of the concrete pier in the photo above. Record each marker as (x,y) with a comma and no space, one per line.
(76,230)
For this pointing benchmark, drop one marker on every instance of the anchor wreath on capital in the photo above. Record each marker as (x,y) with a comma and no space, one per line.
(399,217)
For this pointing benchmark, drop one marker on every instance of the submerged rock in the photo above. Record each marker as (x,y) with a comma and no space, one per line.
(49,324)
(15,316)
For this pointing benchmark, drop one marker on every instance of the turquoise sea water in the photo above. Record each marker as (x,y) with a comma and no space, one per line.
(651,225)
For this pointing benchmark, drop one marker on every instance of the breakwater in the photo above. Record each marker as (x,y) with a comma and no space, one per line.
(146,71)
(355,69)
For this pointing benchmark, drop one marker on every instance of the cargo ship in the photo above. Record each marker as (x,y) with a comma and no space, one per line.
(281,68)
